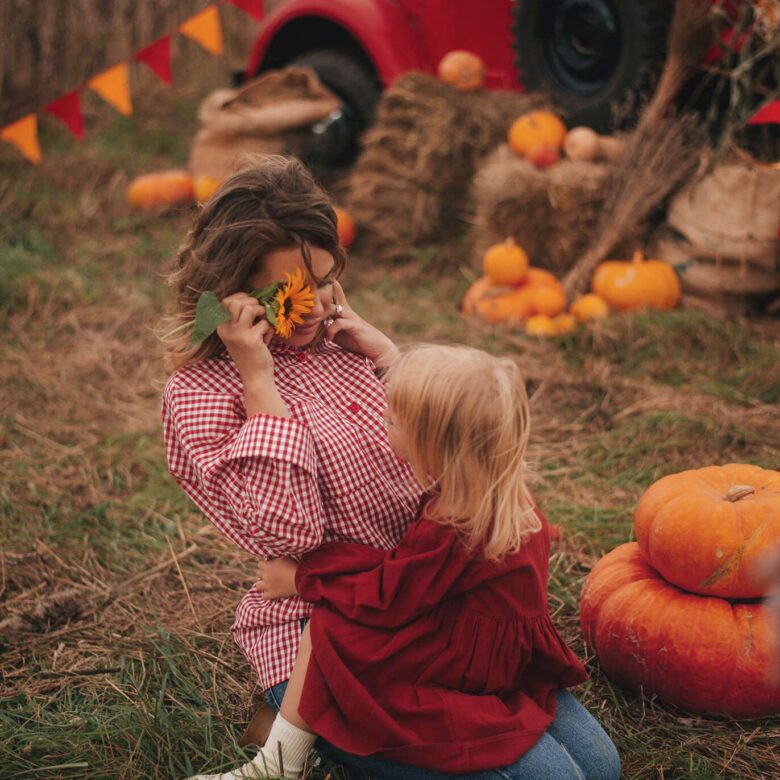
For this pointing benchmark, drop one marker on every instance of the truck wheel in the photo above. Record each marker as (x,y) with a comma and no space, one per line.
(335,140)
(591,56)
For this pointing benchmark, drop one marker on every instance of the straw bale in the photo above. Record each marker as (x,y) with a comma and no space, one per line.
(412,178)
(551,213)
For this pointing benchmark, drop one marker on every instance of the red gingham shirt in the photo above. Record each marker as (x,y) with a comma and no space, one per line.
(281,486)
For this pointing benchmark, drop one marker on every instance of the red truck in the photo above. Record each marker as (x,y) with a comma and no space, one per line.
(588,54)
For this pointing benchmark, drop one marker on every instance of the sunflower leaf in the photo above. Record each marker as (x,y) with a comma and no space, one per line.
(270,315)
(266,293)
(209,314)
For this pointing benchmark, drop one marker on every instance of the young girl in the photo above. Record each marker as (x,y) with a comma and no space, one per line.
(440,654)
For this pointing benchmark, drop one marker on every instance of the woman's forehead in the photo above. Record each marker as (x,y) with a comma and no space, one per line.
(282,261)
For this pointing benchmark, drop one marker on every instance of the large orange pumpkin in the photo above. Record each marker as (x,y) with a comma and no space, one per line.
(637,283)
(462,69)
(707,530)
(534,129)
(700,653)
(164,188)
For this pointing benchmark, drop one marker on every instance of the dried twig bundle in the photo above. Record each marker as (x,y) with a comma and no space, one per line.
(655,162)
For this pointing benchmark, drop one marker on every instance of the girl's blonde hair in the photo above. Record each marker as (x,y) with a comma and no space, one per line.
(465,417)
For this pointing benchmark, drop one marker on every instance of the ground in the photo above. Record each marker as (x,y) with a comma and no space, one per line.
(115,595)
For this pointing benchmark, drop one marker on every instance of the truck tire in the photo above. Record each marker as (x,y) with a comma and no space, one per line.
(335,141)
(591,56)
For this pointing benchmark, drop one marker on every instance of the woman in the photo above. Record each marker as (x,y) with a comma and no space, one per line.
(282,443)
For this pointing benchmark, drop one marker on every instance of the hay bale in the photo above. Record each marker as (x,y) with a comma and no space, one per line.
(412,179)
(551,213)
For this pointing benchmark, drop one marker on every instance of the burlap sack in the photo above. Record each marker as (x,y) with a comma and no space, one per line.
(266,115)
(733,212)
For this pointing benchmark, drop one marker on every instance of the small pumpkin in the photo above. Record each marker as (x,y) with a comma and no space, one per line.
(540,325)
(163,188)
(505,307)
(703,654)
(564,323)
(534,128)
(477,290)
(707,530)
(637,283)
(345,227)
(589,307)
(506,263)
(462,69)
(204,187)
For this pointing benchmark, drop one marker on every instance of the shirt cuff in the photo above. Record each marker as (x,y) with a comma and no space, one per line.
(276,438)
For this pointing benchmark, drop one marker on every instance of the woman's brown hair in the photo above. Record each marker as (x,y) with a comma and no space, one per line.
(275,204)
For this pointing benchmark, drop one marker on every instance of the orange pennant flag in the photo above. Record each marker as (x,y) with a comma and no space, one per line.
(204,28)
(113,85)
(23,134)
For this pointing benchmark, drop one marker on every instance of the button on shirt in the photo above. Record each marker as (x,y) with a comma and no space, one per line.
(281,486)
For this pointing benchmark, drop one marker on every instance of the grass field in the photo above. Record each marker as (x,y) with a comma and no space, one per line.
(116,598)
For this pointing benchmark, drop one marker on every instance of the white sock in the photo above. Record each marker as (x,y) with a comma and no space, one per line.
(288,743)
(292,743)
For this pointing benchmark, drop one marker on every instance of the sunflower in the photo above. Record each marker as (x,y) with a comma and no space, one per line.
(293,300)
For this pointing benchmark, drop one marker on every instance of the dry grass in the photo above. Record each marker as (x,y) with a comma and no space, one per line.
(116,599)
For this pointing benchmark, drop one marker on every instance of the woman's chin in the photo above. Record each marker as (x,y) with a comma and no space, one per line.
(305,338)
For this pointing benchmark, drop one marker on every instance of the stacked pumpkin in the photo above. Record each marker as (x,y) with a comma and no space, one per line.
(678,614)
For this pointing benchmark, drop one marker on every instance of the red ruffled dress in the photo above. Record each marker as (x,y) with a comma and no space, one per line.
(426,656)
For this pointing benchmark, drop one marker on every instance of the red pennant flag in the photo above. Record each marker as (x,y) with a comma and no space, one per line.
(768,115)
(68,110)
(253,7)
(158,57)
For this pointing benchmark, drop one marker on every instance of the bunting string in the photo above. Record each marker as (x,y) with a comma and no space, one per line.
(113,84)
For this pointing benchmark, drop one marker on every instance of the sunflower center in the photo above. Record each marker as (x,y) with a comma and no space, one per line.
(287,306)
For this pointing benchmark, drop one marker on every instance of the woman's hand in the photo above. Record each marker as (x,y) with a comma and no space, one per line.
(276,578)
(246,336)
(352,332)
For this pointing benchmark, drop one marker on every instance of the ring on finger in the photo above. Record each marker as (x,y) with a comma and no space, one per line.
(338,310)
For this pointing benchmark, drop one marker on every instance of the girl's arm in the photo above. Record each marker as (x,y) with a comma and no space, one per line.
(383,588)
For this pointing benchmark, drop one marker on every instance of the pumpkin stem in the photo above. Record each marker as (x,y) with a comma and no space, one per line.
(638,257)
(738,492)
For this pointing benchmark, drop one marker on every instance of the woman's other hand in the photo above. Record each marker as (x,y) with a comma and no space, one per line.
(246,336)
(276,578)
(352,332)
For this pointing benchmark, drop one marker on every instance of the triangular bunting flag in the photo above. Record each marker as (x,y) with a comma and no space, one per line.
(23,134)
(113,85)
(768,115)
(158,57)
(204,28)
(68,110)
(253,7)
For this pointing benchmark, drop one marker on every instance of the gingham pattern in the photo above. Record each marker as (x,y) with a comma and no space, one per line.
(279,486)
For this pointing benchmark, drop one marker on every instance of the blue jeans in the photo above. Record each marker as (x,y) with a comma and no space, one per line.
(574,747)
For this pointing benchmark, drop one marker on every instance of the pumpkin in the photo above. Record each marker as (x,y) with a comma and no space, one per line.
(462,69)
(584,144)
(540,325)
(707,530)
(510,306)
(345,226)
(477,290)
(564,323)
(699,653)
(543,155)
(204,187)
(533,128)
(539,293)
(637,283)
(589,307)
(164,188)
(506,263)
